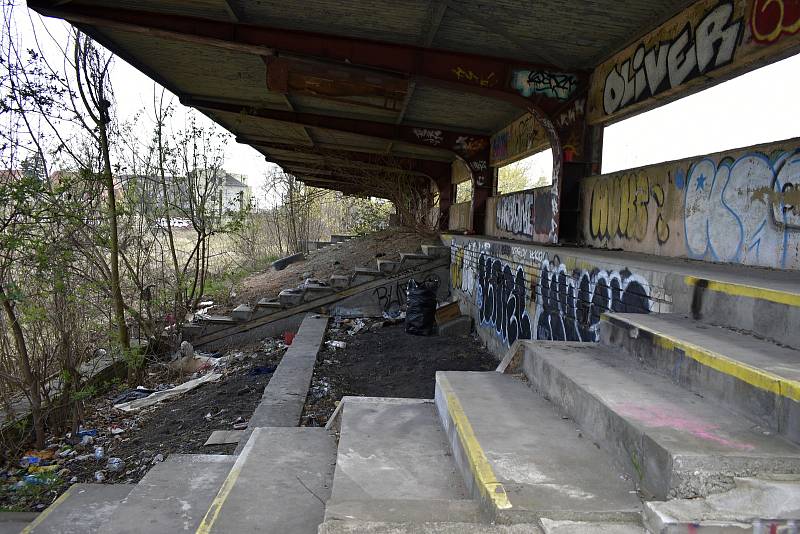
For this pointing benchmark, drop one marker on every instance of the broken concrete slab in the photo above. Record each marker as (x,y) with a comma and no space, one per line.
(14,522)
(173,496)
(224,437)
(280,483)
(82,508)
(242,313)
(163,395)
(764,501)
(494,422)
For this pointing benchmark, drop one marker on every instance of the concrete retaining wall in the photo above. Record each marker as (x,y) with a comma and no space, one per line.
(739,206)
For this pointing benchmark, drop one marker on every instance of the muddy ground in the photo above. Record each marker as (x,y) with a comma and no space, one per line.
(142,438)
(386,362)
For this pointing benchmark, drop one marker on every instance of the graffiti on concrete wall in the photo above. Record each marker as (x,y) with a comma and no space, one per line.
(736,207)
(526,214)
(556,85)
(521,138)
(569,303)
(522,293)
(709,40)
(772,20)
(620,207)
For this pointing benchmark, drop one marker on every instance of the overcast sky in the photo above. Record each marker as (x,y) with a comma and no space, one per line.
(758,107)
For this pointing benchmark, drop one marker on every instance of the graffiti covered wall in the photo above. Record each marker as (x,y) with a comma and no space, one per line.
(711,39)
(528,292)
(521,138)
(527,215)
(739,206)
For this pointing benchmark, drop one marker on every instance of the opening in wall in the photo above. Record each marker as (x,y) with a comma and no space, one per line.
(733,114)
(464,191)
(527,173)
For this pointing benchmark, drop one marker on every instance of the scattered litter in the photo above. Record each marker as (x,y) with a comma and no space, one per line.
(288,337)
(115,464)
(131,394)
(87,440)
(336,344)
(99,476)
(159,396)
(115,430)
(224,437)
(43,468)
(158,458)
(90,432)
(99,453)
(240,426)
(358,326)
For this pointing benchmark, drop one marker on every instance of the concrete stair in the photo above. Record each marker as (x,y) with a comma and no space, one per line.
(672,442)
(279,484)
(82,508)
(524,462)
(394,465)
(363,275)
(752,376)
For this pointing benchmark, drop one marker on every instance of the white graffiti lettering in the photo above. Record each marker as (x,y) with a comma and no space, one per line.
(432,137)
(515,214)
(550,84)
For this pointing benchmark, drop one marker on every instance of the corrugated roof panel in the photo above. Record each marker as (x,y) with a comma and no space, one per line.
(466,111)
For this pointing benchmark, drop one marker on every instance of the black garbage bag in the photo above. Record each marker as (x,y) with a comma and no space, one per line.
(421,310)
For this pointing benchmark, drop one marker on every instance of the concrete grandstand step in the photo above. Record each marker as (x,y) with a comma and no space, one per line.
(674,443)
(269,305)
(315,292)
(590,527)
(436,251)
(756,377)
(365,274)
(242,313)
(82,508)
(290,297)
(173,496)
(394,465)
(339,281)
(218,319)
(388,266)
(279,483)
(521,459)
(373,527)
(411,260)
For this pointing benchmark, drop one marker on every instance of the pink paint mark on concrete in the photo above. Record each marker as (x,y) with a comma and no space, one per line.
(670,417)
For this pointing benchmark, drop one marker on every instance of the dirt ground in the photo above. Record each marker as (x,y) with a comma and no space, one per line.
(340,258)
(386,362)
(145,437)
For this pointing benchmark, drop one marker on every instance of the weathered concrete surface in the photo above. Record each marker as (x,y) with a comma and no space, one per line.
(394,464)
(674,443)
(270,329)
(82,508)
(279,483)
(173,496)
(765,501)
(521,459)
(460,326)
(362,527)
(14,522)
(580,527)
(285,394)
(754,376)
(763,301)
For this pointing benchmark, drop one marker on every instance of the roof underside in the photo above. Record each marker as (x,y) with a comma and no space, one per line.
(573,36)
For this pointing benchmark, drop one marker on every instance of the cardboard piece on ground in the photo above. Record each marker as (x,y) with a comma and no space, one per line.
(224,437)
(447,312)
(159,396)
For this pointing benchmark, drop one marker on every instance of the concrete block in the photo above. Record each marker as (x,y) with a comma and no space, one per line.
(173,496)
(279,483)
(82,508)
(460,326)
(339,281)
(315,292)
(436,251)
(674,443)
(388,266)
(412,261)
(242,313)
(523,461)
(748,374)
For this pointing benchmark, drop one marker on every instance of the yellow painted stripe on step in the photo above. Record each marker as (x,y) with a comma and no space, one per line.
(741,290)
(754,376)
(227,486)
(478,462)
(49,510)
